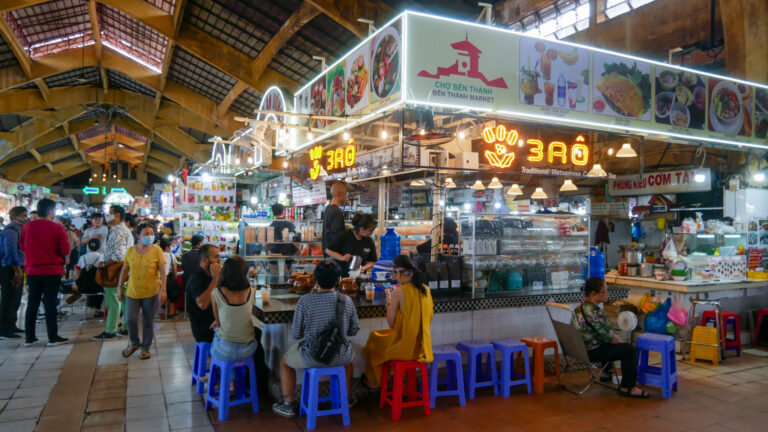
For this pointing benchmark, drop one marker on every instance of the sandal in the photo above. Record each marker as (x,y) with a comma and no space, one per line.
(145,355)
(130,350)
(628,393)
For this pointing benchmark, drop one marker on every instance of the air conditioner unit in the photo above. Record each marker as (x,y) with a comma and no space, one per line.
(466,160)
(434,158)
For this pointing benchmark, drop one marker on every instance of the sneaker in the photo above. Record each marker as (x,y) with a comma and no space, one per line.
(103,336)
(17,330)
(121,333)
(98,314)
(57,340)
(9,335)
(286,410)
(30,342)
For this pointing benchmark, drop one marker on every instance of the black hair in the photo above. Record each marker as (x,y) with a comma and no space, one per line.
(196,240)
(143,226)
(67,222)
(234,274)
(17,211)
(593,285)
(130,219)
(45,206)
(277,210)
(118,210)
(34,212)
(363,220)
(205,250)
(327,274)
(94,244)
(417,277)
(98,215)
(164,242)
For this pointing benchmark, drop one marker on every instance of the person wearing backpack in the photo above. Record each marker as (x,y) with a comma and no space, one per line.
(324,322)
(11,273)
(86,268)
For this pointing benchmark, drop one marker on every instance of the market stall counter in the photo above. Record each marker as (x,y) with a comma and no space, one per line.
(460,317)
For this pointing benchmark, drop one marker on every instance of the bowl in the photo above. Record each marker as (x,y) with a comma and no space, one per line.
(677,273)
(668,79)
(664,101)
(735,90)
(678,278)
(679,115)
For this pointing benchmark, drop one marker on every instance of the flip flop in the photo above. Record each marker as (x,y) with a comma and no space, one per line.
(130,350)
(145,355)
(628,393)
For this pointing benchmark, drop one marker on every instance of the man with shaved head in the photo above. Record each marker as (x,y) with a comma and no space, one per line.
(333,220)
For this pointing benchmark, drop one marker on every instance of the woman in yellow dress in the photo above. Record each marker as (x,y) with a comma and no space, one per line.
(409,313)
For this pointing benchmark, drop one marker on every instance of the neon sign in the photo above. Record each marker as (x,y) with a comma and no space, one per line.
(340,158)
(503,155)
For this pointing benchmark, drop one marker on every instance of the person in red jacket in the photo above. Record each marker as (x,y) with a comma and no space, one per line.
(46,247)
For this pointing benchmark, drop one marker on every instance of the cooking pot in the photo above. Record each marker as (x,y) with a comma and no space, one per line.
(348,286)
(303,283)
(633,254)
(646,270)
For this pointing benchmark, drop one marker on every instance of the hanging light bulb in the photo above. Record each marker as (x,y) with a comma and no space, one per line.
(237,161)
(467,206)
(478,185)
(285,164)
(758,177)
(171,178)
(462,135)
(514,190)
(497,205)
(626,151)
(118,180)
(610,152)
(345,135)
(449,183)
(422,132)
(254,199)
(568,186)
(418,183)
(250,160)
(539,194)
(495,184)
(597,171)
(384,134)
(700,176)
(310,135)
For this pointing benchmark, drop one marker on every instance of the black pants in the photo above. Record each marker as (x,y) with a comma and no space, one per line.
(10,299)
(45,287)
(623,352)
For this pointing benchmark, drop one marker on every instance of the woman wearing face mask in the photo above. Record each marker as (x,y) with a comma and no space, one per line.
(355,242)
(144,268)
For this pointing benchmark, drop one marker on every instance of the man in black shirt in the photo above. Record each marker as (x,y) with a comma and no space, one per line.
(199,288)
(333,219)
(355,242)
(190,261)
(279,224)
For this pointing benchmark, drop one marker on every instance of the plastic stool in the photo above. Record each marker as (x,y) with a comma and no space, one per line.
(310,398)
(706,345)
(508,348)
(760,315)
(454,380)
(540,375)
(664,376)
(200,365)
(476,377)
(227,371)
(394,397)
(726,318)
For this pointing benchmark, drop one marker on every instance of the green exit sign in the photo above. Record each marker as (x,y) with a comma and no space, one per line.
(92,190)
(89,190)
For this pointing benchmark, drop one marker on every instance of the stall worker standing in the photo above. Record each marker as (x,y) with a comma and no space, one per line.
(333,219)
(355,242)
(409,314)
(279,225)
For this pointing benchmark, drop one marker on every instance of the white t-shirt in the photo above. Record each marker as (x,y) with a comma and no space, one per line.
(168,258)
(89,259)
(102,231)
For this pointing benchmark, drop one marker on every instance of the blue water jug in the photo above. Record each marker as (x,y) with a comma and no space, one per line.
(596,263)
(390,244)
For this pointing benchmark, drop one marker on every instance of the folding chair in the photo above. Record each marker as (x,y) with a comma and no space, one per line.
(569,337)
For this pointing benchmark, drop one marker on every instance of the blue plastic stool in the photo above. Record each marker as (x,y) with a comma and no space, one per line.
(476,377)
(227,371)
(664,376)
(200,366)
(454,380)
(338,396)
(508,348)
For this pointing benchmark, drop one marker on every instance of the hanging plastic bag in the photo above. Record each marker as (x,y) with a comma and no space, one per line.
(642,301)
(656,321)
(677,313)
(670,251)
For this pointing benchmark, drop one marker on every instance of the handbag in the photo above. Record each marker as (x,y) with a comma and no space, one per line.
(330,341)
(109,275)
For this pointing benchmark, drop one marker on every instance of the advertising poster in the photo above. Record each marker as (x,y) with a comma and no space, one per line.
(622,87)
(681,98)
(386,67)
(317,102)
(562,70)
(335,99)
(211,191)
(730,107)
(358,68)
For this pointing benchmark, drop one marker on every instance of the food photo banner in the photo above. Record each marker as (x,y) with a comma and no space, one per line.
(461,64)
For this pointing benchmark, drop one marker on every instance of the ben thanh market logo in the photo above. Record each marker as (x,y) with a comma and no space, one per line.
(461,67)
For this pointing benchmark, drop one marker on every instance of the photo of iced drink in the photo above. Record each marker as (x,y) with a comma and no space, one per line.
(549,93)
(573,94)
(546,66)
(529,84)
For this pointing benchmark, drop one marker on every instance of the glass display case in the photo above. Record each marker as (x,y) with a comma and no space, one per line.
(724,244)
(524,253)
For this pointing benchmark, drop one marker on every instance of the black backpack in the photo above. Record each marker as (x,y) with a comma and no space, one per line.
(86,280)
(330,341)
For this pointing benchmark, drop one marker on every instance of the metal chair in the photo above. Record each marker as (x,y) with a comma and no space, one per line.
(569,337)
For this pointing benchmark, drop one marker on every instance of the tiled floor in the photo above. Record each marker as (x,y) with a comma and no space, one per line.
(89,386)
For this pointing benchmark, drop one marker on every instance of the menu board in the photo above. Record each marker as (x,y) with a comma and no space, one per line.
(307,193)
(468,65)
(211,191)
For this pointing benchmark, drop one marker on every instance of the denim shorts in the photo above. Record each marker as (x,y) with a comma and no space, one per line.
(230,351)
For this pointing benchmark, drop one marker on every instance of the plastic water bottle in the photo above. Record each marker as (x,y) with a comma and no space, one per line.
(596,263)
(561,89)
(390,244)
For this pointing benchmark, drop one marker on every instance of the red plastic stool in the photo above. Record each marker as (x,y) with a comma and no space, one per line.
(540,375)
(726,318)
(760,315)
(407,370)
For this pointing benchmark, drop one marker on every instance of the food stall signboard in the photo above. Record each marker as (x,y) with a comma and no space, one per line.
(663,182)
(503,153)
(331,160)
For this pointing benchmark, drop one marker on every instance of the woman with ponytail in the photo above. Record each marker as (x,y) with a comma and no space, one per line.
(409,314)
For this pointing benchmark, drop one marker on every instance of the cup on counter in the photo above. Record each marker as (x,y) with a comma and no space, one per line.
(370,291)
(265,293)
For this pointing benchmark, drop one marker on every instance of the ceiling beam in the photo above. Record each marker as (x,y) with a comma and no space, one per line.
(76,145)
(147,13)
(223,107)
(95,28)
(346,13)
(16,48)
(9,5)
(45,92)
(41,175)
(24,166)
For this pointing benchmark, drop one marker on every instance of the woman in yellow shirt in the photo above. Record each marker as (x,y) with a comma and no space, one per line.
(409,314)
(144,268)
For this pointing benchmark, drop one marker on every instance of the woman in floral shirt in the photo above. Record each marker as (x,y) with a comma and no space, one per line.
(600,340)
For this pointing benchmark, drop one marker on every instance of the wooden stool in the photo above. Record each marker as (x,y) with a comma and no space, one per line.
(540,375)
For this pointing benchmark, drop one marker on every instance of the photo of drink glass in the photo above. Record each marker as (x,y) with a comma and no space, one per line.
(549,93)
